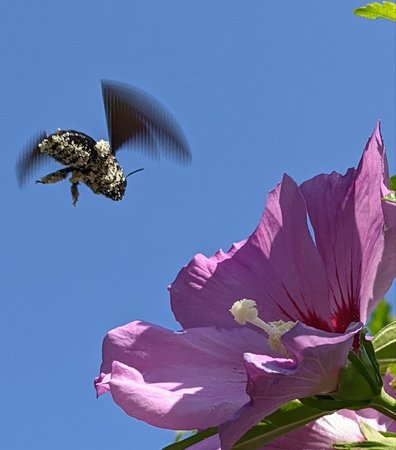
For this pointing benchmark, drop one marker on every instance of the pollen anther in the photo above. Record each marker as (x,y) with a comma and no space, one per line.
(245,311)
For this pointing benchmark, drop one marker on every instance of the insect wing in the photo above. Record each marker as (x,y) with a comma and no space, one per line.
(135,118)
(31,159)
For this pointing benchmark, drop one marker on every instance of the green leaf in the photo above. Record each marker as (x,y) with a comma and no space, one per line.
(380,317)
(375,439)
(330,404)
(384,343)
(388,434)
(371,434)
(182,434)
(377,11)
(287,418)
(390,197)
(392,371)
(185,443)
(392,183)
(372,445)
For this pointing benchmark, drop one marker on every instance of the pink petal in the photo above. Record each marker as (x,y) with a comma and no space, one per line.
(347,218)
(371,174)
(278,267)
(187,380)
(331,212)
(386,270)
(317,357)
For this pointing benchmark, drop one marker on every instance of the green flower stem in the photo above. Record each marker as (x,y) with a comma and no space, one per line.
(385,404)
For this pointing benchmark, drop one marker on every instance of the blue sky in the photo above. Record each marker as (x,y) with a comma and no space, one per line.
(259,88)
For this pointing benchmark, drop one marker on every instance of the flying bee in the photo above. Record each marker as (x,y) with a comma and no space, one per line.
(133,119)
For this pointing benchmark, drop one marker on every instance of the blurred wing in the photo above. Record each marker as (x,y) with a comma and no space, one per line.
(135,118)
(31,159)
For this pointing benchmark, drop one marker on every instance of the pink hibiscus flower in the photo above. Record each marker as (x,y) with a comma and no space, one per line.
(312,296)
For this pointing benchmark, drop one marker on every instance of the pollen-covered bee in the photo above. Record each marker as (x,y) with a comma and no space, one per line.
(133,118)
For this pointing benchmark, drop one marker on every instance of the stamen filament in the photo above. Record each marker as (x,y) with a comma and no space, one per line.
(245,311)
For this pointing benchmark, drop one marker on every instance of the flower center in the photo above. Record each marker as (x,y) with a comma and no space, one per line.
(245,311)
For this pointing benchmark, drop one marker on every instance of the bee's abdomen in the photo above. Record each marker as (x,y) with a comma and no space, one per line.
(70,148)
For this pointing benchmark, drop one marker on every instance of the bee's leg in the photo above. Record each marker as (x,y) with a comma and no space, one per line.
(55,177)
(74,180)
(75,193)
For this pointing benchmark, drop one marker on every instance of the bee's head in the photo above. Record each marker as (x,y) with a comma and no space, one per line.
(119,191)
